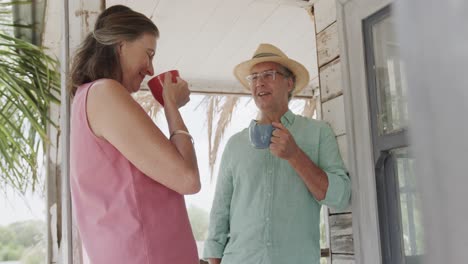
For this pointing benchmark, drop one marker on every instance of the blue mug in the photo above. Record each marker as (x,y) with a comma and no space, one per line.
(260,134)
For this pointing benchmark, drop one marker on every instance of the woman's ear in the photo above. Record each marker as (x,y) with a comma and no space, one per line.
(119,47)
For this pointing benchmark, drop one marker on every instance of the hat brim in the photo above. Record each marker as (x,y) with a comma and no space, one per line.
(302,75)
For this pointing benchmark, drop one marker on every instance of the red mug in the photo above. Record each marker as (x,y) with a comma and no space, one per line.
(155,84)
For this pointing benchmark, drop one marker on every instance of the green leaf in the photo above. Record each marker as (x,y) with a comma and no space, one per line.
(29,85)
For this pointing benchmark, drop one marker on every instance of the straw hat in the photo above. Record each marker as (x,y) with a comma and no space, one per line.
(270,53)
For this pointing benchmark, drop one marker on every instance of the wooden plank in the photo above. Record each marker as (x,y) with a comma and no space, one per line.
(347,210)
(51,36)
(325,14)
(308,91)
(342,259)
(333,113)
(328,45)
(341,234)
(330,80)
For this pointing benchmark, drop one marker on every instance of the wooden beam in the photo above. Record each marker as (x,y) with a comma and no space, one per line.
(204,86)
(78,20)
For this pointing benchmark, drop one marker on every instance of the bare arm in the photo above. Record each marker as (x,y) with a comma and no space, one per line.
(314,177)
(284,146)
(115,116)
(214,261)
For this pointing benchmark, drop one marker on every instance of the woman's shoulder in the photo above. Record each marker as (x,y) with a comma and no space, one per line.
(107,84)
(108,90)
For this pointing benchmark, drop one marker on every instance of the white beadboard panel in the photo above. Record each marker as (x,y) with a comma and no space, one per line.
(83,15)
(330,80)
(333,113)
(341,234)
(328,45)
(342,259)
(325,14)
(52,35)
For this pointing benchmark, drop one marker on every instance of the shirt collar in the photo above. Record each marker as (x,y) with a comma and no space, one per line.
(288,118)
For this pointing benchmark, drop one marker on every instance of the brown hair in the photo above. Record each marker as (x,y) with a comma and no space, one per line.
(97,56)
(288,74)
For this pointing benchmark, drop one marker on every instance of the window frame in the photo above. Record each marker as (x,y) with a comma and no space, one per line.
(366,233)
(387,184)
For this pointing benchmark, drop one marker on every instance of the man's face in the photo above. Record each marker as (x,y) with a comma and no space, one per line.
(269,86)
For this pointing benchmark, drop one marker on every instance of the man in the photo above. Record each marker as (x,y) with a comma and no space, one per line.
(267,201)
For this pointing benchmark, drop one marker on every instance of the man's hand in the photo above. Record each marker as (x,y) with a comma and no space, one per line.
(282,142)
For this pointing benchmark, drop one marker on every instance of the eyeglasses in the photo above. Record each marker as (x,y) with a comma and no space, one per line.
(266,76)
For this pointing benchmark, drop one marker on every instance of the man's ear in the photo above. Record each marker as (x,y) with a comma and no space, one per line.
(290,84)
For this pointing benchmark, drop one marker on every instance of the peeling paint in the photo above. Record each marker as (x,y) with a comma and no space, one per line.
(86,14)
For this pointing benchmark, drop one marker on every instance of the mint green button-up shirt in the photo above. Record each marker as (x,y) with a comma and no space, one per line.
(262,211)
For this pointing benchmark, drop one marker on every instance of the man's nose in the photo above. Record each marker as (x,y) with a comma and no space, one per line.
(259,81)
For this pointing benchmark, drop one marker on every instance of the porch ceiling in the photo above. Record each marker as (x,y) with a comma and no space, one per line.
(205,39)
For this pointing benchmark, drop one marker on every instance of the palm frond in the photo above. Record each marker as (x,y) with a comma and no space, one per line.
(222,108)
(147,102)
(225,117)
(29,83)
(310,107)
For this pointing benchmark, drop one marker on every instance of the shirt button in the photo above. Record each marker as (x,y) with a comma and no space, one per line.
(268,244)
(267,219)
(269,194)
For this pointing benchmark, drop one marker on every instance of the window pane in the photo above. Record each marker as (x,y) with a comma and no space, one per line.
(391,91)
(411,215)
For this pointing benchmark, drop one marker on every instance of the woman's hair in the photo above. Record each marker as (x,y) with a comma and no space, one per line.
(97,56)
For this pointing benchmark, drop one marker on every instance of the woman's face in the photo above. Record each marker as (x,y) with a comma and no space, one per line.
(136,59)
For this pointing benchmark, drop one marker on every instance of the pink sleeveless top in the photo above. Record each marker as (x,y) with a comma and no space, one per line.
(124,217)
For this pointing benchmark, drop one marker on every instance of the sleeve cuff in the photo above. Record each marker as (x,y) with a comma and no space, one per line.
(338,193)
(212,249)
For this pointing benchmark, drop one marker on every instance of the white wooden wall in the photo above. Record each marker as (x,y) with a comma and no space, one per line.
(76,18)
(53,44)
(79,21)
(332,100)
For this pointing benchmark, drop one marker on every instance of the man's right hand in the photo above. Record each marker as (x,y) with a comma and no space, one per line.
(214,261)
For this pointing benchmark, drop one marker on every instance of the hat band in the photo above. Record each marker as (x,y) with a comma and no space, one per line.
(261,55)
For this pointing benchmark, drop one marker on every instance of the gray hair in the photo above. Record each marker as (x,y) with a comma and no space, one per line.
(288,74)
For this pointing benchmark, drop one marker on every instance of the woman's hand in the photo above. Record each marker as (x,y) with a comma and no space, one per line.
(175,93)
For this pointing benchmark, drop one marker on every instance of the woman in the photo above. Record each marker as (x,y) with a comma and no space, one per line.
(127,178)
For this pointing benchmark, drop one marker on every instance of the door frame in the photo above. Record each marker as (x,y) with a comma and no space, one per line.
(350,16)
